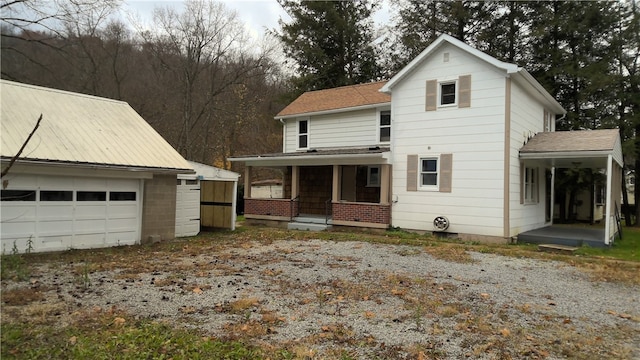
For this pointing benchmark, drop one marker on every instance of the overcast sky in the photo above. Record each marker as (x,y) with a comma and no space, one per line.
(257,15)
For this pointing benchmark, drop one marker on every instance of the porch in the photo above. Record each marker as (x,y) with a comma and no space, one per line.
(565,235)
(322,188)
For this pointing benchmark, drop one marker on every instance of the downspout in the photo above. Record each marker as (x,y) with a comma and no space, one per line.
(561,117)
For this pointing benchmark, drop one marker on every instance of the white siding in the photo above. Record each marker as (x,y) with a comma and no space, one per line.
(474,135)
(347,129)
(527,116)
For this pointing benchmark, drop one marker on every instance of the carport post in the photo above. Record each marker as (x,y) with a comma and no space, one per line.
(234,203)
(607,223)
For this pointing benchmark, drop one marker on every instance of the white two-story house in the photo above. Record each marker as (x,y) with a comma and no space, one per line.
(457,142)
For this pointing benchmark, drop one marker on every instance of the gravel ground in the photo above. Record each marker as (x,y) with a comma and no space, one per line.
(324,299)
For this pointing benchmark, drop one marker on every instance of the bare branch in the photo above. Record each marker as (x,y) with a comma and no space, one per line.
(5,171)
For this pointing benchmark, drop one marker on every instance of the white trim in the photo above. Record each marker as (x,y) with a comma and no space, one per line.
(338,159)
(333,111)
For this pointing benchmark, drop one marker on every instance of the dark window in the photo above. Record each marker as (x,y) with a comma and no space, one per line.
(303,134)
(50,195)
(192,182)
(447,93)
(385,126)
(179,182)
(18,195)
(91,196)
(122,196)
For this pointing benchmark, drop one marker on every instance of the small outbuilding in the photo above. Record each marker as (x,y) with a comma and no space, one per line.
(206,199)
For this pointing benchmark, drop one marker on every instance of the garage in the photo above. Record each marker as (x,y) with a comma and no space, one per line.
(206,200)
(51,213)
(93,174)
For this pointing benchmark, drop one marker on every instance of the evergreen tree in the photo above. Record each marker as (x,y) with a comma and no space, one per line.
(330,42)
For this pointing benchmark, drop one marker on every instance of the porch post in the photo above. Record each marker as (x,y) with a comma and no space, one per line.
(553,193)
(335,193)
(607,224)
(295,174)
(247,182)
(384,184)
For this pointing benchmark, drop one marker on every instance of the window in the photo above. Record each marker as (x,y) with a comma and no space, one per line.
(122,196)
(91,196)
(48,195)
(385,126)
(530,185)
(448,93)
(303,134)
(18,195)
(373,176)
(429,172)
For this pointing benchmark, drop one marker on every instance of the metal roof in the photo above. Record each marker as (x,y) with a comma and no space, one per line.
(80,129)
(344,156)
(207,172)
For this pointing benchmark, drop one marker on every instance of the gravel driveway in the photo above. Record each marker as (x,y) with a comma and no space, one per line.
(324,299)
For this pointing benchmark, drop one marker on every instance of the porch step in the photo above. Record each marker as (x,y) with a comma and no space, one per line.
(307,226)
(309,223)
(557,248)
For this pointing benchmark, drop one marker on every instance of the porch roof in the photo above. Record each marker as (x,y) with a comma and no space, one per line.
(346,156)
(569,149)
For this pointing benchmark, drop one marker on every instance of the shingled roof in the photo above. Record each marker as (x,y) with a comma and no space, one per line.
(569,141)
(344,97)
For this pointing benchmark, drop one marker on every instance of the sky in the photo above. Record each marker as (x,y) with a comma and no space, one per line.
(257,15)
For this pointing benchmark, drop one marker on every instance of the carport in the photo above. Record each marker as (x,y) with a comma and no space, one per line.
(588,149)
(206,199)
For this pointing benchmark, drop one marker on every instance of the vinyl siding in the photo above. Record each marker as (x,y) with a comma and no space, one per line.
(526,120)
(473,135)
(348,129)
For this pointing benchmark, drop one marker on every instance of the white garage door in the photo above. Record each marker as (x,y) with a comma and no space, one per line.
(50,213)
(187,208)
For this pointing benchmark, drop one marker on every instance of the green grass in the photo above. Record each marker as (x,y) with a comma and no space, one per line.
(627,248)
(98,339)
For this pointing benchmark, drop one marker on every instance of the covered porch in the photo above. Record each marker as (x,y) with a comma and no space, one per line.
(338,187)
(599,150)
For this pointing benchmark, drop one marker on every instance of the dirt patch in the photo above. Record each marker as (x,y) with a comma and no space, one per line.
(325,299)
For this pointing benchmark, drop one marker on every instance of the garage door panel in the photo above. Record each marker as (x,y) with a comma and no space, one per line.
(96,213)
(90,226)
(91,211)
(14,213)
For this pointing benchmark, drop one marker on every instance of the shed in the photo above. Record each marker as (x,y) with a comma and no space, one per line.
(206,199)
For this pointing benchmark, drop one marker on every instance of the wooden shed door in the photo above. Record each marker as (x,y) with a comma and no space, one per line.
(216,200)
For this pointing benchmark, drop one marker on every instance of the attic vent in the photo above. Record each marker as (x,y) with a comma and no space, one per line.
(440,223)
(445,57)
(373,148)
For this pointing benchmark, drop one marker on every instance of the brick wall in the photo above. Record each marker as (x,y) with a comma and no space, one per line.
(159,208)
(271,207)
(370,213)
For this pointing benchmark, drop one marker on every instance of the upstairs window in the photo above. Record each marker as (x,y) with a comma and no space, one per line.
(448,93)
(385,126)
(303,134)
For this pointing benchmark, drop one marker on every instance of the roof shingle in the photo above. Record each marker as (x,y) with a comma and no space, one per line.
(569,141)
(337,98)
